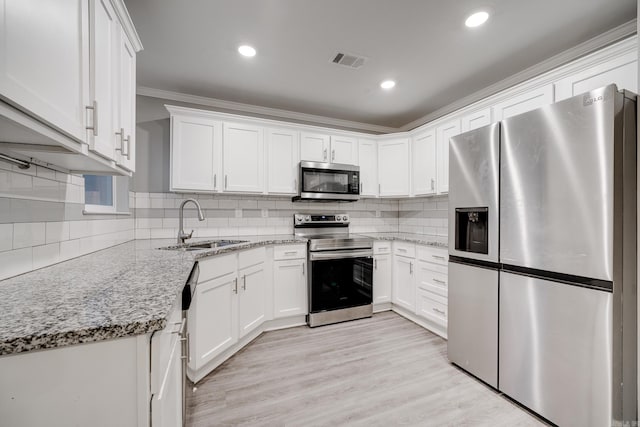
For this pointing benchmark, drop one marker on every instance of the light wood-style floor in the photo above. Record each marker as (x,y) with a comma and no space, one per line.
(383,371)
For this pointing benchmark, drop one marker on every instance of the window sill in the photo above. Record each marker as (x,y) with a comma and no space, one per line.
(89,212)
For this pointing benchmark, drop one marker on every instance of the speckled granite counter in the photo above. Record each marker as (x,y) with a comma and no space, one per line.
(125,290)
(422,239)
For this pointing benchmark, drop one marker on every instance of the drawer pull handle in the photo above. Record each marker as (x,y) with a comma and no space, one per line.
(438,311)
(402,250)
(438,257)
(291,252)
(439,281)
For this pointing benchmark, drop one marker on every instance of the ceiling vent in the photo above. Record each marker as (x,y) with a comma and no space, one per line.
(349,60)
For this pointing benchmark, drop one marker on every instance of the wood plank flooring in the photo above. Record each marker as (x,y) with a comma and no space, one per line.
(382,371)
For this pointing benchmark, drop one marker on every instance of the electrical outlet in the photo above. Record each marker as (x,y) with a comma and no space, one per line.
(238,213)
(265,213)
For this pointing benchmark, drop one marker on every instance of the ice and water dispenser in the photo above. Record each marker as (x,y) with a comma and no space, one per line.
(472,230)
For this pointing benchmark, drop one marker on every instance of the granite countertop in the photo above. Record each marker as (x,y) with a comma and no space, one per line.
(121,291)
(422,239)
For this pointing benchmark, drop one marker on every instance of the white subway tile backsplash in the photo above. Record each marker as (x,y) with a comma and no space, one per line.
(28,234)
(46,255)
(15,262)
(6,237)
(56,231)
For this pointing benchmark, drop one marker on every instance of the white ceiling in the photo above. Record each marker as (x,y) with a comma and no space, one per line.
(190,47)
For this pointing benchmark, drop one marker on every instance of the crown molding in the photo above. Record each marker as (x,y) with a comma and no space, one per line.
(614,35)
(274,113)
(127,24)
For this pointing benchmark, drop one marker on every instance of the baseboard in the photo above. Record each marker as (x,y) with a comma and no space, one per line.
(421,321)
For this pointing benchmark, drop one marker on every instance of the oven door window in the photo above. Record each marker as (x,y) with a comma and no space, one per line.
(329,181)
(341,283)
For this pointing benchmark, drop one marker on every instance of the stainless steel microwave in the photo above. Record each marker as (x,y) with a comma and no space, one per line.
(328,182)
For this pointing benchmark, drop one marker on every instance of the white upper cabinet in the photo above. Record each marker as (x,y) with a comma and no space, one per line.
(443,134)
(524,102)
(318,147)
(44,58)
(393,167)
(61,82)
(344,149)
(125,97)
(423,162)
(196,147)
(314,147)
(623,71)
(368,161)
(243,158)
(476,120)
(105,39)
(283,152)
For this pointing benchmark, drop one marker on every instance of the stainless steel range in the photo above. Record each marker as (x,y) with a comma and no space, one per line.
(340,279)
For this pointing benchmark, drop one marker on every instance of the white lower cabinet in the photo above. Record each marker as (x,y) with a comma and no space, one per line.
(166,372)
(404,288)
(252,298)
(229,302)
(382,277)
(290,281)
(431,286)
(213,319)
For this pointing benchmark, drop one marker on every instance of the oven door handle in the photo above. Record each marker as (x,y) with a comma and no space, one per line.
(318,256)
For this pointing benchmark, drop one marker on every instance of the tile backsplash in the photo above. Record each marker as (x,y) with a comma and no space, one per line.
(42,220)
(156,214)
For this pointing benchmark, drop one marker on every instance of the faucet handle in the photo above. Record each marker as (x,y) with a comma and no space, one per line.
(190,234)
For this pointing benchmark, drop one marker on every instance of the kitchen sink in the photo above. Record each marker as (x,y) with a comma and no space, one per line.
(211,244)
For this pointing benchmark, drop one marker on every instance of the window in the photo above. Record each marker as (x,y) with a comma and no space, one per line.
(106,194)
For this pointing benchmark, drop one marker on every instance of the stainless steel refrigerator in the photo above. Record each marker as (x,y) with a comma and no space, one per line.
(542,291)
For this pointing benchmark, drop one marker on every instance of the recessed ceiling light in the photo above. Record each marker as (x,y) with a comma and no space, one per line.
(476,19)
(246,50)
(387,84)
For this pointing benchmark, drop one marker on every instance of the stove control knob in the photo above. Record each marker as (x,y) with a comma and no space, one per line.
(298,218)
(345,218)
(307,218)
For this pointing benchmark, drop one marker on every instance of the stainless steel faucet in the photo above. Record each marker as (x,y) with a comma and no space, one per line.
(182,236)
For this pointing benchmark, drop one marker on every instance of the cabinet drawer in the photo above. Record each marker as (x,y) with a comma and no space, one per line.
(381,247)
(432,306)
(404,249)
(290,252)
(251,257)
(216,266)
(431,254)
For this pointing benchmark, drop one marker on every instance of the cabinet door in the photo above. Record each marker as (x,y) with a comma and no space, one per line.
(126,104)
(522,103)
(284,156)
(382,278)
(404,290)
(44,60)
(166,404)
(213,319)
(105,31)
(290,288)
(444,133)
(243,158)
(393,167)
(252,298)
(314,147)
(476,120)
(195,147)
(344,149)
(623,71)
(368,161)
(423,158)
